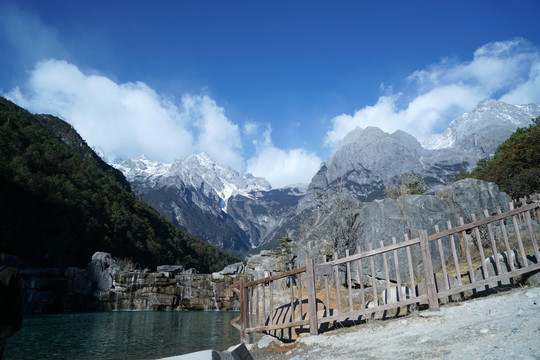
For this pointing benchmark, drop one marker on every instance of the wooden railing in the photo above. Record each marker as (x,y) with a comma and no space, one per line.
(394,276)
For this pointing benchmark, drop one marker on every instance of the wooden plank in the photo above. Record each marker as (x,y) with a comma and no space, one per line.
(291,282)
(428,270)
(454,255)
(338,286)
(411,269)
(264,286)
(480,247)
(373,275)
(361,279)
(493,244)
(299,283)
(376,251)
(349,281)
(243,310)
(276,277)
(312,298)
(518,236)
(443,260)
(491,280)
(324,269)
(271,309)
(506,242)
(531,233)
(386,271)
(326,293)
(472,278)
(287,326)
(257,310)
(398,275)
(357,313)
(464,227)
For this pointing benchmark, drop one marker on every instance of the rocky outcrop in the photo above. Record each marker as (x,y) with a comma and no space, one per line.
(381,220)
(169,291)
(262,213)
(104,285)
(57,290)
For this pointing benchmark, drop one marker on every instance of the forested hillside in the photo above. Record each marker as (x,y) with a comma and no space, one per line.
(60,203)
(515,166)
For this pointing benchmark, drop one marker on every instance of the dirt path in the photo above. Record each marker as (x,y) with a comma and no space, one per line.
(502,326)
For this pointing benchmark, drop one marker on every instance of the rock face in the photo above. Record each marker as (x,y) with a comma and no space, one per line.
(57,290)
(214,203)
(167,291)
(262,214)
(381,220)
(239,213)
(105,286)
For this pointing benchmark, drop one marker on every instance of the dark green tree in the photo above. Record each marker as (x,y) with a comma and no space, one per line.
(60,203)
(515,166)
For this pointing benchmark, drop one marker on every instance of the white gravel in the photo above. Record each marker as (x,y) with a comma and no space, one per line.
(502,326)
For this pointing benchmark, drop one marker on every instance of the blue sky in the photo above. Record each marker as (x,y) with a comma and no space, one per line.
(267,87)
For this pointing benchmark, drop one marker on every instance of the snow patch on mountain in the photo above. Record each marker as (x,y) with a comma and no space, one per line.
(198,171)
(487,114)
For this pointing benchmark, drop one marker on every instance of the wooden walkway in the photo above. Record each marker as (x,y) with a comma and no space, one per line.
(483,254)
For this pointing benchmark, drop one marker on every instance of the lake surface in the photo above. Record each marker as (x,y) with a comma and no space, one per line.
(122,335)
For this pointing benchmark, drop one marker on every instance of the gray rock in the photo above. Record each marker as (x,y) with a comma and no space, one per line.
(100,271)
(175,269)
(233,269)
(533,278)
(190,271)
(491,268)
(469,196)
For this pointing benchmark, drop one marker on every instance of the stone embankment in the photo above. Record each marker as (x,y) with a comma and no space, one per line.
(104,285)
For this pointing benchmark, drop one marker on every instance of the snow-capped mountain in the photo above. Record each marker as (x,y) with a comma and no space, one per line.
(211,201)
(198,171)
(369,160)
(484,128)
(238,212)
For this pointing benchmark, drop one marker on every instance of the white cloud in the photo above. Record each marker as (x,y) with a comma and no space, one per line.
(250,128)
(218,137)
(281,167)
(508,70)
(130,119)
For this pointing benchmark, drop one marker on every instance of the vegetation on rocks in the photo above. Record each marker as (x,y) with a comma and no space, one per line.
(411,183)
(515,166)
(61,203)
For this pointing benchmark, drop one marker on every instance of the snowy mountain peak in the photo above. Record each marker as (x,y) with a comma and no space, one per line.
(489,118)
(198,171)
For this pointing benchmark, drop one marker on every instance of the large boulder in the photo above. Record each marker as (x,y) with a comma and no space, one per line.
(381,220)
(469,196)
(100,271)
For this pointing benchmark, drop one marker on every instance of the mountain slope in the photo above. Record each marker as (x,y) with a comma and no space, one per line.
(369,160)
(215,203)
(61,203)
(239,213)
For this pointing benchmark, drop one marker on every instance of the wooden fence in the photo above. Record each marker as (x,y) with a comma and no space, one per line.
(457,262)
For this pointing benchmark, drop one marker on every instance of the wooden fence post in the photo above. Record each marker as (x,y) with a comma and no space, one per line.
(243,310)
(312,298)
(428,271)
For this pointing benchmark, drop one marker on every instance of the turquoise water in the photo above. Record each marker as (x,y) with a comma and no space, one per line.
(121,335)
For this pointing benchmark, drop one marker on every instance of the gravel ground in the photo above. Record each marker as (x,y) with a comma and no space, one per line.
(501,326)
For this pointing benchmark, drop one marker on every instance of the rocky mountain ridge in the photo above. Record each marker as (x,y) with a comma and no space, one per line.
(367,161)
(240,213)
(215,203)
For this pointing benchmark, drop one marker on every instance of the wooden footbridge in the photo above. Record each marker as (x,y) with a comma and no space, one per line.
(483,254)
